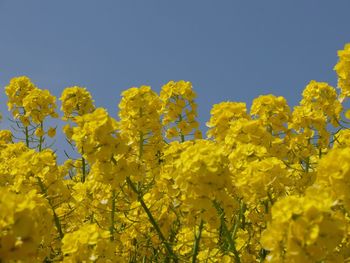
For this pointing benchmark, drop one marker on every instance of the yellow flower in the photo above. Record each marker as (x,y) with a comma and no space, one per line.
(178,107)
(334,172)
(347,114)
(51,132)
(5,136)
(273,111)
(25,225)
(303,229)
(17,90)
(39,104)
(343,68)
(68,131)
(198,135)
(171,133)
(39,132)
(222,115)
(76,101)
(85,244)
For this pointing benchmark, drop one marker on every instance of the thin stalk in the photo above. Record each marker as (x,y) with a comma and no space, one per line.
(152,220)
(143,204)
(241,214)
(41,137)
(27,136)
(226,232)
(307,164)
(83,168)
(196,242)
(111,229)
(140,145)
(182,137)
(56,218)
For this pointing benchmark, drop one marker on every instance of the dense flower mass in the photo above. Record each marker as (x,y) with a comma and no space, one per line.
(342,69)
(76,101)
(267,185)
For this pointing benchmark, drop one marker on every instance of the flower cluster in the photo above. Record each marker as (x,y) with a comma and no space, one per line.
(342,69)
(31,106)
(76,101)
(179,110)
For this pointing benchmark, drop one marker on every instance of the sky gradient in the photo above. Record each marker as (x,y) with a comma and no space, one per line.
(229,50)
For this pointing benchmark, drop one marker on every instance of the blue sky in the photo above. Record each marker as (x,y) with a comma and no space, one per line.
(229,50)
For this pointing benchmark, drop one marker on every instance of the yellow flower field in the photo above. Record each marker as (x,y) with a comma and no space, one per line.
(269,184)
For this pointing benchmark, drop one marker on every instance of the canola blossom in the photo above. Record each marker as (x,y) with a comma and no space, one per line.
(266,184)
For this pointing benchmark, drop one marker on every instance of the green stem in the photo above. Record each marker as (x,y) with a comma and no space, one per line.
(307,164)
(270,197)
(231,242)
(83,168)
(242,210)
(27,136)
(56,218)
(140,145)
(182,137)
(196,242)
(41,137)
(152,220)
(111,229)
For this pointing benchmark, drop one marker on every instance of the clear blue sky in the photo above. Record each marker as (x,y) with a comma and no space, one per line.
(229,50)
